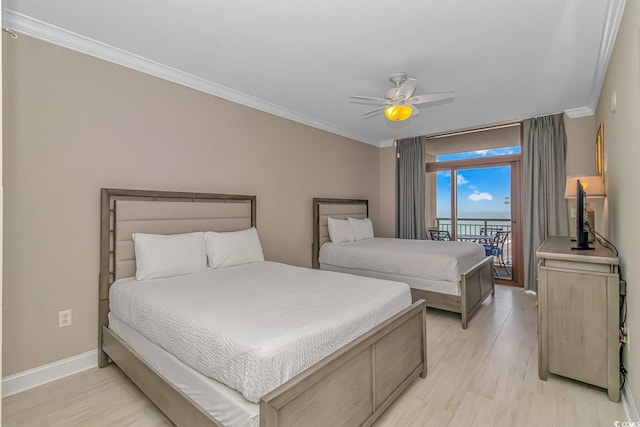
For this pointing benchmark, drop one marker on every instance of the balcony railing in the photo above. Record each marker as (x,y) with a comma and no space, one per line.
(480,226)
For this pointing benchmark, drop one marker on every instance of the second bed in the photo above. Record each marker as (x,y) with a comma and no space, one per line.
(452,276)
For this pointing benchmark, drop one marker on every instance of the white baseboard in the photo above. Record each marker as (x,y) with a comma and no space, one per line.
(22,381)
(628,403)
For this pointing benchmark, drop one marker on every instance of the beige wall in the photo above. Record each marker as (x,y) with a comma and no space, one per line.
(387,212)
(581,139)
(622,151)
(1,216)
(74,124)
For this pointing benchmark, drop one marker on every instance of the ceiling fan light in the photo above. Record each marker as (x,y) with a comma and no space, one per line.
(398,113)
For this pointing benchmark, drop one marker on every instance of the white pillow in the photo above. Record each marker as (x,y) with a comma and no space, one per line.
(159,255)
(340,230)
(233,248)
(362,228)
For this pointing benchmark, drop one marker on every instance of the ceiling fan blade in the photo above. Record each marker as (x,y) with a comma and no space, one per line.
(431,97)
(374,111)
(407,88)
(369,100)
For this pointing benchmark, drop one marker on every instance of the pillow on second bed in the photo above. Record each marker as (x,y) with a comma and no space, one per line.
(362,228)
(159,255)
(233,248)
(340,230)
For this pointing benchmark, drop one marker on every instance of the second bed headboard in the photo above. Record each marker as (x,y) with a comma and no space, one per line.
(334,208)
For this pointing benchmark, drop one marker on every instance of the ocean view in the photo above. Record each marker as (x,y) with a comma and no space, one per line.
(502,214)
(473,222)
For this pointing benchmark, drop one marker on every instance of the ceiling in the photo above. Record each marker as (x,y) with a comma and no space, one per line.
(301,60)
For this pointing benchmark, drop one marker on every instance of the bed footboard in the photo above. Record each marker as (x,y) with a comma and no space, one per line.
(352,386)
(475,286)
(356,384)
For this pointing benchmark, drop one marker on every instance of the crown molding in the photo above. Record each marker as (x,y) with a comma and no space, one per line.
(386,143)
(24,24)
(611,25)
(574,113)
(29,26)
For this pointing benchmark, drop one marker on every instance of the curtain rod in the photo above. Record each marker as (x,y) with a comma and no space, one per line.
(464,132)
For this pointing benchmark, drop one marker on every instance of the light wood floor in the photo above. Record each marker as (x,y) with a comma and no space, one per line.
(486,375)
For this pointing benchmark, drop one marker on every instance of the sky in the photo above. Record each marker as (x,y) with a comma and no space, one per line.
(482,192)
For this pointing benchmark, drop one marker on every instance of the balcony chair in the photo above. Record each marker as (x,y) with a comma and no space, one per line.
(489,231)
(436,234)
(496,247)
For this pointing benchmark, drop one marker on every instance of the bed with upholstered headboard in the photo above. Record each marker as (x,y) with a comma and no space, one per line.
(334,208)
(476,278)
(353,385)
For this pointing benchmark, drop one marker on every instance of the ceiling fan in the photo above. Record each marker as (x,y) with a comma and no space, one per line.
(399,103)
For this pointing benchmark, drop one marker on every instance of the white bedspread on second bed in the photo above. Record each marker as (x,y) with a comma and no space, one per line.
(255,326)
(427,259)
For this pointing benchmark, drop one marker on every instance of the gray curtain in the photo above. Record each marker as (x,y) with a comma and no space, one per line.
(411,171)
(545,208)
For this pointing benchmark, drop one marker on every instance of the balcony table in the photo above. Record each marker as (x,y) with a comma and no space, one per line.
(480,238)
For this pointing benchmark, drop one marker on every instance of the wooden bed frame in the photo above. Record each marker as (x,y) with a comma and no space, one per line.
(352,386)
(476,284)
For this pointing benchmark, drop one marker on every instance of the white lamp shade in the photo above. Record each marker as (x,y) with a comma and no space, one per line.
(593,186)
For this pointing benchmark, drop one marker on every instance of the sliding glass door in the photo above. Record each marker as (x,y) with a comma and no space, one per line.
(480,204)
(483,213)
(475,196)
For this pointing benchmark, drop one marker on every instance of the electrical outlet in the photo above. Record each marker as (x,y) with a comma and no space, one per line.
(573,212)
(64,318)
(626,331)
(624,337)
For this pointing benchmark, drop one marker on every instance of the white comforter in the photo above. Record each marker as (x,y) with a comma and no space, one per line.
(255,326)
(427,259)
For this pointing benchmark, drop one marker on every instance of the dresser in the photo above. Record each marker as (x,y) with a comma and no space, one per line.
(578,314)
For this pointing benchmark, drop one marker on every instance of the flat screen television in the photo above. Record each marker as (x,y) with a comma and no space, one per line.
(582,231)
